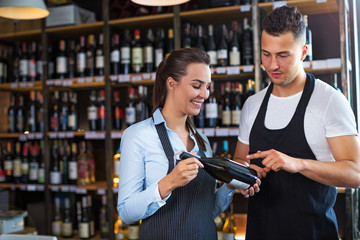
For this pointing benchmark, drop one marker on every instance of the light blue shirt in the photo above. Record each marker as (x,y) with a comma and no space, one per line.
(143,164)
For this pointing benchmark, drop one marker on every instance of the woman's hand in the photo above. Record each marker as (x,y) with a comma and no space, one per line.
(250,191)
(185,171)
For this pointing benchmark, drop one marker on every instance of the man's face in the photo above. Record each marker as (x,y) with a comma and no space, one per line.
(282,57)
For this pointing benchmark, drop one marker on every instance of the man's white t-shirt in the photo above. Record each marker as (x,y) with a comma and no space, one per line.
(327,115)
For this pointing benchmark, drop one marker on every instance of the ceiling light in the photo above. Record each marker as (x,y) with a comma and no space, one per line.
(23,9)
(159,2)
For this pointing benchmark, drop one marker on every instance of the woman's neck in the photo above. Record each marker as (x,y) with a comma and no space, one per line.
(175,120)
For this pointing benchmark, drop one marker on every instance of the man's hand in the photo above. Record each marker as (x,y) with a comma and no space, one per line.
(276,161)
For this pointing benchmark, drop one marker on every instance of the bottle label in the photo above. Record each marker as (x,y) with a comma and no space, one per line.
(23,68)
(148,54)
(101,113)
(89,60)
(56,228)
(8,165)
(20,123)
(220,235)
(99,61)
(32,67)
(125,55)
(24,168)
(55,177)
(137,56)
(39,67)
(32,116)
(213,57)
(17,168)
(222,54)
(235,57)
(226,117)
(159,56)
(41,175)
(33,172)
(67,229)
(72,120)
(92,113)
(83,170)
(116,167)
(115,56)
(235,117)
(228,236)
(130,114)
(11,123)
(211,110)
(73,170)
(239,184)
(81,62)
(118,113)
(1,69)
(84,230)
(61,64)
(133,232)
(54,123)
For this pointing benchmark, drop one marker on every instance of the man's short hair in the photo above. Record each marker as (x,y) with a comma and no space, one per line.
(285,19)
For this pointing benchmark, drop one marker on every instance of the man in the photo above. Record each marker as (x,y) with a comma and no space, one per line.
(300,135)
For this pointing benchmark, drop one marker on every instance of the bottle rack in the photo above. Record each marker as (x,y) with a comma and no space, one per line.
(205,16)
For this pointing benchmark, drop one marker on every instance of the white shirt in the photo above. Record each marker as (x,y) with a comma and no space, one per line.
(327,115)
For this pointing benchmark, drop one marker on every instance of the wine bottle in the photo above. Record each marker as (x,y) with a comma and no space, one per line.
(51,62)
(134,231)
(120,229)
(247,44)
(136,53)
(116,159)
(91,216)
(187,38)
(73,117)
(149,52)
(84,224)
(227,170)
(159,46)
(118,111)
(81,58)
(17,163)
(234,47)
(73,165)
(32,62)
(90,56)
(237,105)
(130,110)
(2,78)
(25,164)
(91,161)
(67,225)
(64,162)
(103,222)
(141,106)
(125,52)
(101,110)
(83,167)
(34,164)
(23,63)
(115,55)
(16,62)
(199,40)
(11,115)
(41,172)
(226,107)
(56,222)
(211,47)
(169,42)
(71,60)
(99,59)
(229,228)
(32,121)
(222,50)
(211,109)
(219,223)
(55,174)
(225,152)
(92,112)
(64,112)
(20,115)
(9,163)
(39,63)
(250,88)
(308,42)
(54,114)
(2,170)
(5,66)
(61,61)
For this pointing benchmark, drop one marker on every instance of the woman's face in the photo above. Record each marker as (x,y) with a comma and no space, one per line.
(192,89)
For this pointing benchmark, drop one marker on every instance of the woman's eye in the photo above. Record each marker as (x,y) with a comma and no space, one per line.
(196,87)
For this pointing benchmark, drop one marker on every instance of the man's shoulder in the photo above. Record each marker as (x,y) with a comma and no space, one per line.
(324,91)
(257,97)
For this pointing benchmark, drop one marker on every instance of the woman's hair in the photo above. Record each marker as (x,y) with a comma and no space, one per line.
(175,66)
(285,19)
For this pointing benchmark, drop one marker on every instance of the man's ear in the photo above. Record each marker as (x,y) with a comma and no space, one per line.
(304,52)
(170,82)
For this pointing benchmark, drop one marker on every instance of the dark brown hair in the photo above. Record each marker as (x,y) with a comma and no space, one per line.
(175,66)
(285,19)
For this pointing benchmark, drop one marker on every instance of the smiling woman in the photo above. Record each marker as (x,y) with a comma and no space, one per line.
(179,196)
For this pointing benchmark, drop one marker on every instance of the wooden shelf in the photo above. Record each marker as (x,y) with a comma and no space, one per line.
(9,135)
(23,35)
(21,86)
(144,22)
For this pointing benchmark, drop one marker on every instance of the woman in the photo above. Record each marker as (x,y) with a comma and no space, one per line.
(175,201)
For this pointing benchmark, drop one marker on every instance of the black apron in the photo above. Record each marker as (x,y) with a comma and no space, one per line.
(289,206)
(188,213)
